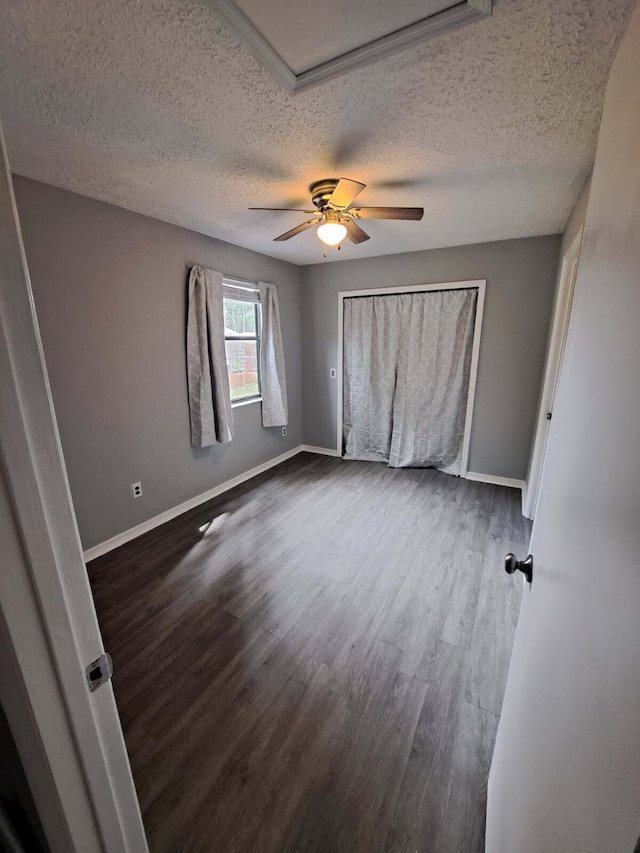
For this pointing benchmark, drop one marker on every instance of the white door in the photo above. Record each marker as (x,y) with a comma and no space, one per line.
(48,623)
(565,776)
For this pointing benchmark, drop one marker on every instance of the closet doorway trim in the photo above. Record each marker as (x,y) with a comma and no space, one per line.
(480,285)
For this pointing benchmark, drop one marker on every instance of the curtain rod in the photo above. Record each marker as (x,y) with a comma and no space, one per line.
(243,283)
(411,292)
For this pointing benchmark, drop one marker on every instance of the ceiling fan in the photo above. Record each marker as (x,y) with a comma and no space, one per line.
(334,216)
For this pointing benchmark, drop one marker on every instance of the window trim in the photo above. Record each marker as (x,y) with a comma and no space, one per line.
(249,398)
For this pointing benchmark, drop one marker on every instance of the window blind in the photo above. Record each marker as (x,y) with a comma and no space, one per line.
(240,292)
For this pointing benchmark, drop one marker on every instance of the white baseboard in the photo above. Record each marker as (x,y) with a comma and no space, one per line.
(174,512)
(157,520)
(495,481)
(323,451)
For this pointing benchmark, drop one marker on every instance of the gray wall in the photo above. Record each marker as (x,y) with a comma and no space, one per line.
(110,290)
(109,287)
(520,277)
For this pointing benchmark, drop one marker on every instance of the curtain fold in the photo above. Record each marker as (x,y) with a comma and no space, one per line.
(407,361)
(369,381)
(208,383)
(272,374)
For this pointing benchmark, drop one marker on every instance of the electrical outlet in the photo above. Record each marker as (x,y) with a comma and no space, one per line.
(284,431)
(332,373)
(136,490)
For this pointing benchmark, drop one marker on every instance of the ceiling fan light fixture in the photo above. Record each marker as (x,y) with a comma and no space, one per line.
(331,233)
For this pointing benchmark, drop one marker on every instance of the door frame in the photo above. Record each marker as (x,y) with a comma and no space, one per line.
(480,285)
(557,342)
(47,613)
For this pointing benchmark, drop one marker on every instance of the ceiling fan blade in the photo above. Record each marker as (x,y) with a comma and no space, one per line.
(296,209)
(355,232)
(297,230)
(345,192)
(387,212)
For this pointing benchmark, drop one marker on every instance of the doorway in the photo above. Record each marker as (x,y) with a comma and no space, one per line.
(559,329)
(69,737)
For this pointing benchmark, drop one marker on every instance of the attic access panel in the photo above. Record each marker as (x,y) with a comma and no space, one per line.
(303,42)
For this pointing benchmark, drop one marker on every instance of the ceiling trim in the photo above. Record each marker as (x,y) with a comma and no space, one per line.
(459,15)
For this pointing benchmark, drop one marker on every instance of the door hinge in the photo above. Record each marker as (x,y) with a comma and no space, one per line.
(548,416)
(99,671)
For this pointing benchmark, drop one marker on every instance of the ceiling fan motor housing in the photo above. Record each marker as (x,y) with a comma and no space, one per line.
(321,192)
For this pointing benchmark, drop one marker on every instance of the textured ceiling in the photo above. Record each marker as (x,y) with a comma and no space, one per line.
(152,105)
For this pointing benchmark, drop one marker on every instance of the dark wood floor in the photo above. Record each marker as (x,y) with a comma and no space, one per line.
(316,660)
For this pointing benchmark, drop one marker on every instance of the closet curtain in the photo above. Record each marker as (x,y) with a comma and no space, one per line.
(208,383)
(407,362)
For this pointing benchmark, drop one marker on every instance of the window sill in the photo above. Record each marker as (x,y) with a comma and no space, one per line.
(235,404)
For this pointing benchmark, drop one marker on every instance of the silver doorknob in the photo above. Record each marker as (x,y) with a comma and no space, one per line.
(513,564)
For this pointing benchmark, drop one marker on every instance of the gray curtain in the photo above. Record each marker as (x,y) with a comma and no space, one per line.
(273,384)
(208,382)
(407,360)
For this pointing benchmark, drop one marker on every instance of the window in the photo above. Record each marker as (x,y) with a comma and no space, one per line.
(242,342)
